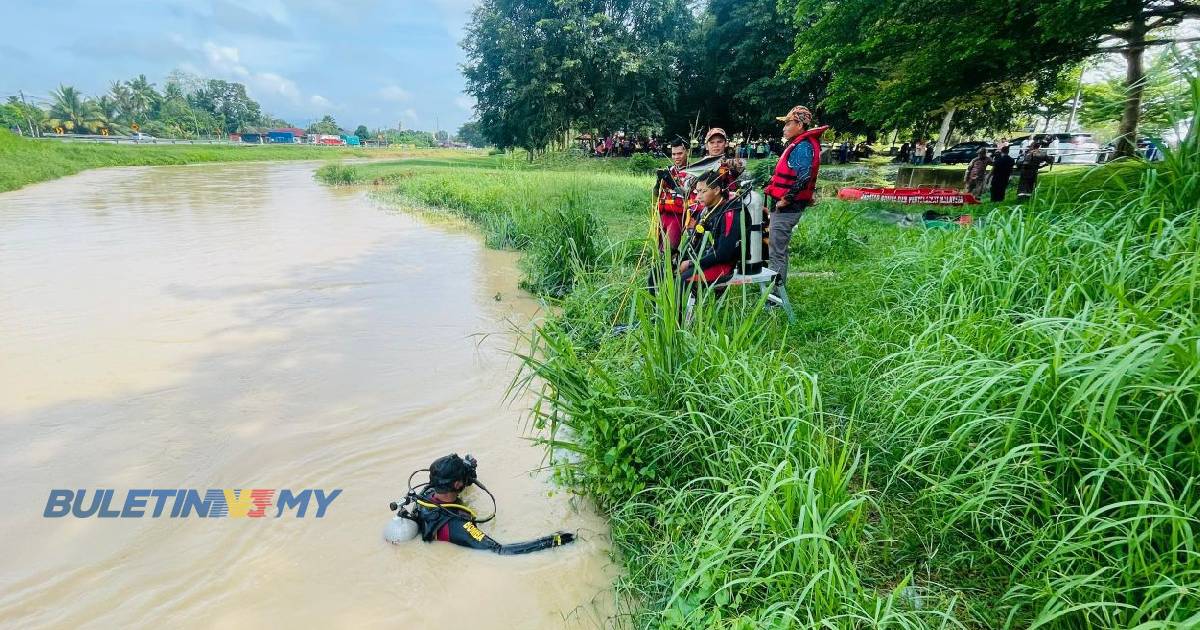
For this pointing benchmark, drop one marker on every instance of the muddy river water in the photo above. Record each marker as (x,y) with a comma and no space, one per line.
(242,326)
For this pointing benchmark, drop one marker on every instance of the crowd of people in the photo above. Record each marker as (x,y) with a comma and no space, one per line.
(702,219)
(1028,165)
(620,144)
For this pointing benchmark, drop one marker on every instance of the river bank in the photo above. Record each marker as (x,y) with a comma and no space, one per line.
(24,161)
(964,428)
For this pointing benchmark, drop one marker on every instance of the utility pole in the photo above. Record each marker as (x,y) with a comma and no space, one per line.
(28,121)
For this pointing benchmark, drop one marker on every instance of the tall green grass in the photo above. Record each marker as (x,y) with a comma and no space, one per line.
(986,428)
(1044,422)
(998,430)
(736,499)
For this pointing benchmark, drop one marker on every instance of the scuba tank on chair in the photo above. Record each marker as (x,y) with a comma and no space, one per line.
(755,203)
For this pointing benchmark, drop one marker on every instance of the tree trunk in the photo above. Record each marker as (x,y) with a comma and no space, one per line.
(944,132)
(1134,84)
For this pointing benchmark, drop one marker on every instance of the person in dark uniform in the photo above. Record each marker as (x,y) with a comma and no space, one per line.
(1002,168)
(441,516)
(1032,162)
(715,248)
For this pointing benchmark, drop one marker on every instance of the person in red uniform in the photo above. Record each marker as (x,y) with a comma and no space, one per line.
(671,205)
(716,241)
(792,184)
(716,145)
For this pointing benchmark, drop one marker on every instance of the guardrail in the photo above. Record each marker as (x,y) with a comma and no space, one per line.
(101,139)
(96,138)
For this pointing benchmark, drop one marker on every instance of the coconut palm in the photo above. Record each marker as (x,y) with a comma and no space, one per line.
(123,100)
(70,110)
(143,96)
(107,116)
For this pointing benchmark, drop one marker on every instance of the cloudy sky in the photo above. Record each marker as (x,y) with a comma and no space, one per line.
(371,62)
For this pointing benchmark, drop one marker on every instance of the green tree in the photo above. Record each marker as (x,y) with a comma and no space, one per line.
(538,68)
(327,125)
(915,56)
(15,113)
(70,110)
(362,133)
(142,98)
(745,44)
(470,134)
(228,103)
(1165,101)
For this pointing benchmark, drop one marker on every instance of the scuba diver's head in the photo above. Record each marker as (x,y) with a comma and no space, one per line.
(711,189)
(452,473)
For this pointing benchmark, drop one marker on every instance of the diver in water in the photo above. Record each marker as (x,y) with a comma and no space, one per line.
(438,514)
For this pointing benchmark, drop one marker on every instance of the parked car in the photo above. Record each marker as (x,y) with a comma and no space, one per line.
(143,137)
(1148,148)
(1065,148)
(964,152)
(1073,148)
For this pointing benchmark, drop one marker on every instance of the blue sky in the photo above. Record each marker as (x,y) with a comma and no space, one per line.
(363,61)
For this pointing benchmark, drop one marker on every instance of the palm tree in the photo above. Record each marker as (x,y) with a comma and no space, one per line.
(123,100)
(107,115)
(70,110)
(142,95)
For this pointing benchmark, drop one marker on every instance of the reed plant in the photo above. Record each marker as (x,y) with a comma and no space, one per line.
(1044,420)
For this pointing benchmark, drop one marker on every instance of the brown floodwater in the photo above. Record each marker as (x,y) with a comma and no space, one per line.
(242,326)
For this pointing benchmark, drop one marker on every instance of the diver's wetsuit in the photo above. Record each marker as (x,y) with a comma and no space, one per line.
(452,522)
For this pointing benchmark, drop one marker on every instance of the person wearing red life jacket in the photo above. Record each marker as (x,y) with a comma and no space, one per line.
(671,205)
(792,184)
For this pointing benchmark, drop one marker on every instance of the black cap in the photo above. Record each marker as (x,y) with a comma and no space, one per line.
(444,471)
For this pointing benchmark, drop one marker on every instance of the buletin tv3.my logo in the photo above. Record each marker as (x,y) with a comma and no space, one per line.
(184,503)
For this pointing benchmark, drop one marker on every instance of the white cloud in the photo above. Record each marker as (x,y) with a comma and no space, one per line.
(227,60)
(271,82)
(410,115)
(394,93)
(224,57)
(320,101)
(465,103)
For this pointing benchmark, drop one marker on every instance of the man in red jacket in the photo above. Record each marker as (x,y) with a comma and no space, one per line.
(671,205)
(792,184)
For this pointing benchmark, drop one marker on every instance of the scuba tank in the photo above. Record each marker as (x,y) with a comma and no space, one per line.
(754,201)
(421,513)
(410,519)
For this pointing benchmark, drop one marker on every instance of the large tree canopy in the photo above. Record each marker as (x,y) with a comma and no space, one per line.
(916,56)
(537,68)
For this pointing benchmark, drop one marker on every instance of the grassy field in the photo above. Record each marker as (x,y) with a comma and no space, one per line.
(24,161)
(984,428)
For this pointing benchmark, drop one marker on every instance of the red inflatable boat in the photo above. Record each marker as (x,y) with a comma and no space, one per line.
(926,196)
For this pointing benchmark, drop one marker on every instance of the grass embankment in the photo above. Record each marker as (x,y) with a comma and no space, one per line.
(24,161)
(984,428)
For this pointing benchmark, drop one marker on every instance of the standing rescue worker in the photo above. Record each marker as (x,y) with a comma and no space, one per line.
(792,184)
(671,205)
